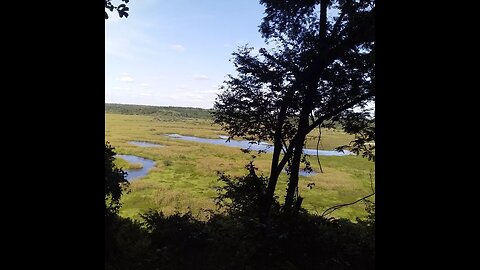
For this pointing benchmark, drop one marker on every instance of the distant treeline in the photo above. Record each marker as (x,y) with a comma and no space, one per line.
(159,111)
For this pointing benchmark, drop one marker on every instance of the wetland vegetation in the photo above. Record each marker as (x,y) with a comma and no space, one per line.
(185,175)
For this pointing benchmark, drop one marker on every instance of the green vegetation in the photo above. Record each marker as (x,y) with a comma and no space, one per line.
(204,212)
(185,175)
(237,239)
(121,163)
(165,113)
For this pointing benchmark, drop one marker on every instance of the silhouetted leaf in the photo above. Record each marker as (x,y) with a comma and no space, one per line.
(122,10)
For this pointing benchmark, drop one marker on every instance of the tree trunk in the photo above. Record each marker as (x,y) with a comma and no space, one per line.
(272,182)
(276,168)
(297,155)
(311,78)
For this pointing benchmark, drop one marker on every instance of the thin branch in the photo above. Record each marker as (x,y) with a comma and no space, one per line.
(318,141)
(338,206)
(318,144)
(284,148)
(347,105)
(346,8)
(323,20)
(287,155)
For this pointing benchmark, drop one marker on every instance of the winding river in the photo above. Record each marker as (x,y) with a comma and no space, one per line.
(137,173)
(255,147)
(148,163)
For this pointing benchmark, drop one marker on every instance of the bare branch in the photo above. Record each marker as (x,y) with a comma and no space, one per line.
(340,109)
(338,206)
(346,8)
(318,144)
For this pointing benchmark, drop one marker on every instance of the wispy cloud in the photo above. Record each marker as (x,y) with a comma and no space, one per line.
(126,78)
(145,84)
(200,77)
(177,47)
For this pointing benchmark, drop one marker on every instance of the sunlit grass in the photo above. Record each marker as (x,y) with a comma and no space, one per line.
(185,173)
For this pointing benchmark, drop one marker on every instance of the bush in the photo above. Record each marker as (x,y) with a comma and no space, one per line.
(115,182)
(243,196)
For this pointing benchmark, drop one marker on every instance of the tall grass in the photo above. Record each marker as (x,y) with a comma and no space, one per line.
(185,173)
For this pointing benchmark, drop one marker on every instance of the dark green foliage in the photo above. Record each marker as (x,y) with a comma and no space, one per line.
(242,196)
(238,239)
(173,113)
(122,9)
(127,245)
(364,130)
(227,242)
(125,242)
(115,182)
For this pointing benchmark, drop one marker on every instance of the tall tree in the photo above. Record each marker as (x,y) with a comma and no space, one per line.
(322,67)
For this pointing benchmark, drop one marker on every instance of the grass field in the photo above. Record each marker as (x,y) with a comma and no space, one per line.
(185,174)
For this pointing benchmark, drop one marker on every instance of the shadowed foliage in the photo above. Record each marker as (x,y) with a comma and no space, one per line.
(238,239)
(242,196)
(115,182)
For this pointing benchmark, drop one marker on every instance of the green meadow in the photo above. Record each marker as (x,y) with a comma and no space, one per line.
(185,175)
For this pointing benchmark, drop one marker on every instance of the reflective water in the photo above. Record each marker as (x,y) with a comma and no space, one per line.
(134,174)
(247,145)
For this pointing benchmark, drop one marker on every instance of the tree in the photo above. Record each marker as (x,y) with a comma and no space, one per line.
(122,8)
(115,182)
(321,68)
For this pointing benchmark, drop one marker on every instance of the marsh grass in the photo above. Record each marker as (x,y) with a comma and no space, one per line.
(185,173)
(122,163)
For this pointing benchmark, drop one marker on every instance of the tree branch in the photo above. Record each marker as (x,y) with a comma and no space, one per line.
(340,18)
(340,109)
(343,205)
(323,20)
(318,143)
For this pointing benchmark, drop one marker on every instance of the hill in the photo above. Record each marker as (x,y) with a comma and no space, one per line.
(158,111)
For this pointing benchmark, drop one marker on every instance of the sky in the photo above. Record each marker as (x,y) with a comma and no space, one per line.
(176,52)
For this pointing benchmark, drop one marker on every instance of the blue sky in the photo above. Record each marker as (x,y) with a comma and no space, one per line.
(176,52)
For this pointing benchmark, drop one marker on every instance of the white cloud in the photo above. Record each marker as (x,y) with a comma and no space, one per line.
(177,47)
(145,84)
(200,77)
(126,79)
